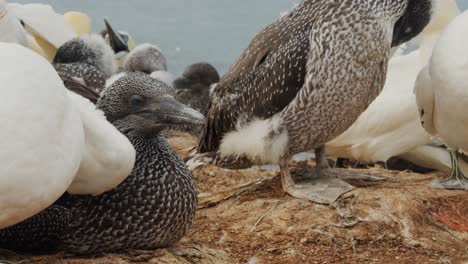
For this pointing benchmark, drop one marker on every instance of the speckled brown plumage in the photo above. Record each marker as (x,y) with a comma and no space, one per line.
(314,70)
(85,63)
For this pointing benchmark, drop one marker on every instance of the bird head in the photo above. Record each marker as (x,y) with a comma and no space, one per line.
(136,102)
(412,22)
(145,58)
(197,75)
(121,42)
(90,49)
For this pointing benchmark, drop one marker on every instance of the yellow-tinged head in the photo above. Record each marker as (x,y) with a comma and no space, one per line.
(79,22)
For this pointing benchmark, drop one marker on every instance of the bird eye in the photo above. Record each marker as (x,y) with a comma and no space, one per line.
(137,100)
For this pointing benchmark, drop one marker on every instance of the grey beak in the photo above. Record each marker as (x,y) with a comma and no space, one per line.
(115,40)
(169,112)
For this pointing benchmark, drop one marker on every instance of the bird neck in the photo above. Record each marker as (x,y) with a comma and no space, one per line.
(155,158)
(444,12)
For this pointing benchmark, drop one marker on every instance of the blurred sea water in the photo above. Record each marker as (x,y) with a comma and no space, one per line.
(187,31)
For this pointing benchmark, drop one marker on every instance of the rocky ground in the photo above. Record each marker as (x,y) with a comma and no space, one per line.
(244,217)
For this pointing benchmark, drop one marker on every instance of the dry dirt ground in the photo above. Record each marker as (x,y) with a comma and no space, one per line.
(244,217)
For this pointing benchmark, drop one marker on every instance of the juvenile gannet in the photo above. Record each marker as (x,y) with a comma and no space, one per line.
(85,62)
(193,87)
(304,80)
(121,42)
(149,59)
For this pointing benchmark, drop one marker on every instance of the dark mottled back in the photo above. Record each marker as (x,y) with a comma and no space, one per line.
(85,63)
(277,51)
(318,68)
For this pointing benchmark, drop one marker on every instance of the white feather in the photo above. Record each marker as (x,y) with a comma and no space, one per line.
(448,77)
(108,156)
(253,141)
(10,28)
(41,137)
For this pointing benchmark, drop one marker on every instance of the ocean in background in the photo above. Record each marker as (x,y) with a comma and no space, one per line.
(187,31)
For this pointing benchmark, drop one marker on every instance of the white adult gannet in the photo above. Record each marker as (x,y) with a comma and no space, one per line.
(442,96)
(391,126)
(11,29)
(48,28)
(52,141)
(79,22)
(42,137)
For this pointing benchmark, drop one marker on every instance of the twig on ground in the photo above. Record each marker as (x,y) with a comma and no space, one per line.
(218,198)
(254,227)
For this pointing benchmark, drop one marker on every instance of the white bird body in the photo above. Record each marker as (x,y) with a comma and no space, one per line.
(42,135)
(442,87)
(11,30)
(108,156)
(391,126)
(52,139)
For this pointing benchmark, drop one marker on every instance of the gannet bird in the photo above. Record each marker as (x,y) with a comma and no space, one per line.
(121,42)
(11,30)
(49,29)
(154,207)
(79,22)
(41,145)
(193,87)
(58,143)
(145,58)
(302,81)
(149,59)
(441,95)
(85,63)
(391,126)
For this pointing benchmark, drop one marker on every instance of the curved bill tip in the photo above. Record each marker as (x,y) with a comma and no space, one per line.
(115,40)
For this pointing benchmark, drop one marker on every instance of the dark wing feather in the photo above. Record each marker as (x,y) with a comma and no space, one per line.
(84,73)
(81,90)
(263,81)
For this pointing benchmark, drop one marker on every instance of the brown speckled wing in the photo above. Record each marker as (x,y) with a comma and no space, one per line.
(83,73)
(81,90)
(263,81)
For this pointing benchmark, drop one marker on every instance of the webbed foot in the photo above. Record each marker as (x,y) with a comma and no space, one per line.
(457,180)
(323,190)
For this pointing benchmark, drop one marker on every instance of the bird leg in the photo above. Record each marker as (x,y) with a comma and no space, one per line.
(323,190)
(323,169)
(457,180)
